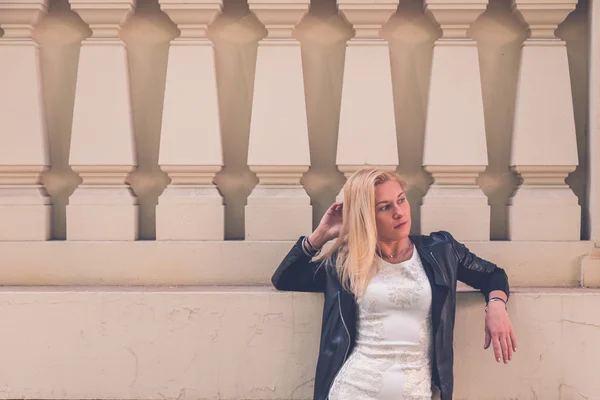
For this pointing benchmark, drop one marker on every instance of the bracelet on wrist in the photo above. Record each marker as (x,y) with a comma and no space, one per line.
(308,248)
(495,299)
(310,245)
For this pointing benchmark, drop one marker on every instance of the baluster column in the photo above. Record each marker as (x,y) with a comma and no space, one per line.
(278,208)
(103,207)
(24,204)
(544,145)
(594,125)
(191,207)
(455,143)
(590,264)
(367,131)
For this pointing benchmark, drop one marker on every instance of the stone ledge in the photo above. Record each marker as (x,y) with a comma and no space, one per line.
(591,275)
(240,262)
(590,269)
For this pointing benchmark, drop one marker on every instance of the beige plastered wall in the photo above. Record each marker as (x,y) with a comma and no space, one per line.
(255,343)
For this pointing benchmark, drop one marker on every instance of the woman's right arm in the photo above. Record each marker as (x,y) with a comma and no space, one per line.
(297,272)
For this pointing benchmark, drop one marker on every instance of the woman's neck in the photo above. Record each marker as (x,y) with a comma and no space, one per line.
(391,250)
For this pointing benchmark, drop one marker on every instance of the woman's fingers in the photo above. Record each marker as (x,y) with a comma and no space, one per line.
(337,206)
(497,347)
(510,346)
(488,339)
(506,352)
(503,344)
(513,340)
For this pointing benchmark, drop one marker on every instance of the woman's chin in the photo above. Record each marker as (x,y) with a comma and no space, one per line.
(402,231)
(396,235)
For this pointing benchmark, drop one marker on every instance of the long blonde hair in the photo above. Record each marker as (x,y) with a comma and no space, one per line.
(356,246)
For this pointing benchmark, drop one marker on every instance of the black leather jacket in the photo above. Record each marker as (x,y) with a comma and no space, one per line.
(445,261)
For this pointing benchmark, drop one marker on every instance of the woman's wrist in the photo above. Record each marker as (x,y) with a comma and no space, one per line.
(498,294)
(317,239)
(496,302)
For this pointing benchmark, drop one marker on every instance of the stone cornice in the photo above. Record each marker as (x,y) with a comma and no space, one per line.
(21,174)
(279,174)
(103,174)
(455,174)
(194,175)
(543,175)
(279,16)
(192,17)
(104,18)
(542,16)
(19,17)
(455,17)
(367,17)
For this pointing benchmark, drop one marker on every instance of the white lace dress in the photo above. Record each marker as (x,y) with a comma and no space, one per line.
(392,356)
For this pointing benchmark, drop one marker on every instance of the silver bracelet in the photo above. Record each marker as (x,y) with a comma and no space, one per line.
(306,251)
(495,299)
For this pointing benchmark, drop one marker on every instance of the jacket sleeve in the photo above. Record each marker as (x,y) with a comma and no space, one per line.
(298,273)
(477,272)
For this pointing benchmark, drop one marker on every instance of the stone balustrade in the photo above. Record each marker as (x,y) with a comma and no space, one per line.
(102,149)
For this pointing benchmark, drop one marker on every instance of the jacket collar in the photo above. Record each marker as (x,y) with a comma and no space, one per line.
(431,265)
(434,270)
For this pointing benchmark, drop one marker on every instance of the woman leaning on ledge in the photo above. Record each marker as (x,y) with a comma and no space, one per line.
(390,297)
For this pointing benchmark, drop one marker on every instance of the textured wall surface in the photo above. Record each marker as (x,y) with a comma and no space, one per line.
(255,343)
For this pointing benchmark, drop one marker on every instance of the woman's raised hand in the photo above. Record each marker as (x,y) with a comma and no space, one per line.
(330,226)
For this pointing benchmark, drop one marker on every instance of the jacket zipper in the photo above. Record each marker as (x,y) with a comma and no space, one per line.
(345,326)
(347,348)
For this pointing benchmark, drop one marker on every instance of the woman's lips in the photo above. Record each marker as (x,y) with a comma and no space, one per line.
(399,225)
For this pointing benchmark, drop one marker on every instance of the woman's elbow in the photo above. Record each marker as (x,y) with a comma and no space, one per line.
(277,282)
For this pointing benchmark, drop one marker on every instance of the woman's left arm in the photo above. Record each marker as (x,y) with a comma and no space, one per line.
(492,281)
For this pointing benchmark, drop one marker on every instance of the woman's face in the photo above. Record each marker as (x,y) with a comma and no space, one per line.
(392,212)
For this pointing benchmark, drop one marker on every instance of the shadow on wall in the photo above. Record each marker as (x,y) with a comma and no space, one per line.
(323,34)
(499,37)
(147,34)
(235,35)
(60,34)
(411,36)
(575,32)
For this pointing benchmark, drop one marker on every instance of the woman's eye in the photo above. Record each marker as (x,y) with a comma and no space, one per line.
(401,200)
(383,208)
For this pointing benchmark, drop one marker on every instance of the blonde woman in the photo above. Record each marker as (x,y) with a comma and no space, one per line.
(390,297)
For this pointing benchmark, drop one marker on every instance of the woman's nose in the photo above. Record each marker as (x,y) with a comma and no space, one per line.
(397,212)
